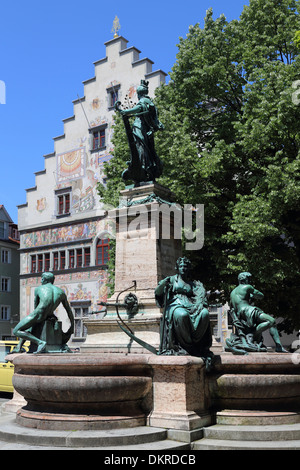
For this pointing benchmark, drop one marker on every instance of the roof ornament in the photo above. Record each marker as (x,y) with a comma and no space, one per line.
(116,27)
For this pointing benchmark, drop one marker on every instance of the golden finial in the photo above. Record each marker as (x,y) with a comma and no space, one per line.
(116,27)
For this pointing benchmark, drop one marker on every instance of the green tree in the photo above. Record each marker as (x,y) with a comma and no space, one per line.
(297,39)
(231,142)
(110,192)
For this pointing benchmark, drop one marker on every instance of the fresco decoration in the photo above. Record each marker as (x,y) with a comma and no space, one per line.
(98,121)
(41,204)
(85,201)
(103,290)
(71,165)
(80,294)
(95,172)
(96,103)
(67,233)
(65,289)
(103,158)
(65,280)
(82,171)
(79,287)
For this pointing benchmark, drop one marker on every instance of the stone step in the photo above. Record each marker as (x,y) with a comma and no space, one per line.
(283,432)
(164,445)
(243,437)
(256,417)
(216,444)
(13,436)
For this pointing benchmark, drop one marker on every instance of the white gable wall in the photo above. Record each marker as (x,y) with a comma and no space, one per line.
(73,167)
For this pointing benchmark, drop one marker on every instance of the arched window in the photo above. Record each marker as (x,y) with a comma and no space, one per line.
(102,251)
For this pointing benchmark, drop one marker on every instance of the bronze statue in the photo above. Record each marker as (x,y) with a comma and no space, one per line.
(249,321)
(47,297)
(185,327)
(145,165)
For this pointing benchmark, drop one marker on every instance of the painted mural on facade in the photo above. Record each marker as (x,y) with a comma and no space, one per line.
(68,233)
(71,165)
(79,287)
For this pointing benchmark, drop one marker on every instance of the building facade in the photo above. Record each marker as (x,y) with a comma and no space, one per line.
(9,274)
(63,224)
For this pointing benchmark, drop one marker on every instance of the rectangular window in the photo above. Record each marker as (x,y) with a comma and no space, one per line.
(62,260)
(5,312)
(71,259)
(59,260)
(33,264)
(99,138)
(5,284)
(60,205)
(55,261)
(102,138)
(13,232)
(5,256)
(64,203)
(47,262)
(102,252)
(2,232)
(79,258)
(95,140)
(80,312)
(87,257)
(40,263)
(67,203)
(113,96)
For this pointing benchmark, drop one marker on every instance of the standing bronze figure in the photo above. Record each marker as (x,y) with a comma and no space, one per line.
(145,165)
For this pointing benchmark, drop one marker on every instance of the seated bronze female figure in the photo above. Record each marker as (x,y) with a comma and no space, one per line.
(185,324)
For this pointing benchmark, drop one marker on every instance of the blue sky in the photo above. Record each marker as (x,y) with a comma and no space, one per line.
(48,48)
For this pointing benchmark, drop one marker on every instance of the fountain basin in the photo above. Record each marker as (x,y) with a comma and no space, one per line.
(82,390)
(258,381)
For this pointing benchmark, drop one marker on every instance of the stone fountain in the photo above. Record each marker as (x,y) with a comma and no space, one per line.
(114,394)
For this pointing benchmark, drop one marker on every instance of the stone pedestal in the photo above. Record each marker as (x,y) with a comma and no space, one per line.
(148,243)
(106,336)
(51,332)
(180,393)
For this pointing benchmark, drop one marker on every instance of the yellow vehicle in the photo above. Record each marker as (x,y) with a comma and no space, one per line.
(6,367)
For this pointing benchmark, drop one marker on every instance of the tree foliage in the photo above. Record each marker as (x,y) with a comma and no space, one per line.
(231,142)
